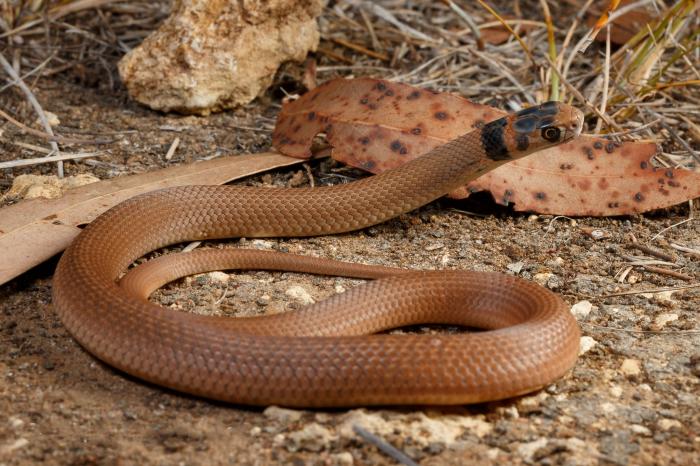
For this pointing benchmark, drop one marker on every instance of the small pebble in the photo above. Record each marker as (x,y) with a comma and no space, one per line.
(664,318)
(282,415)
(261,244)
(542,278)
(218,277)
(586,344)
(639,429)
(515,267)
(581,309)
(343,458)
(630,367)
(15,422)
(299,294)
(527,450)
(313,437)
(668,424)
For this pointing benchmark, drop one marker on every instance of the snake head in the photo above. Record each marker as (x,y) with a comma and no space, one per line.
(530,130)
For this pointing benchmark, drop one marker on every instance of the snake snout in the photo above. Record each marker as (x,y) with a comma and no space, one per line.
(575,125)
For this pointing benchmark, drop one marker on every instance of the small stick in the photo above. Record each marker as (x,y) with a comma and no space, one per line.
(672,226)
(651,291)
(45,136)
(368,24)
(606,78)
(386,448)
(50,159)
(387,16)
(361,49)
(670,273)
(630,330)
(651,251)
(471,24)
(631,130)
(35,103)
(693,252)
(172,148)
(307,167)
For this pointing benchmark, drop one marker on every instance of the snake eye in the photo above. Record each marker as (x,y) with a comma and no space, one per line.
(551,134)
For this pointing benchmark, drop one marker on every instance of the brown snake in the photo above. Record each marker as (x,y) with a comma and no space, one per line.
(322,355)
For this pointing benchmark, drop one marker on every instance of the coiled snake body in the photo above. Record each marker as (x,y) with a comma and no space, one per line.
(322,355)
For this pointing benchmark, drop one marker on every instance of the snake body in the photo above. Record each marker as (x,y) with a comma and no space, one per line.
(326,354)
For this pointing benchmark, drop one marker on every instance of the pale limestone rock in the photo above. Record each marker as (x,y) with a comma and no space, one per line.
(49,186)
(630,367)
(668,424)
(527,450)
(581,309)
(586,344)
(216,54)
(313,437)
(218,277)
(283,415)
(299,294)
(421,428)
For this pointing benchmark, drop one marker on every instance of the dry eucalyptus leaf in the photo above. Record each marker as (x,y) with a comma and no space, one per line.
(34,230)
(377,125)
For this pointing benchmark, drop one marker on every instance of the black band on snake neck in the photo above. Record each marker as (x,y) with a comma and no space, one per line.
(493,141)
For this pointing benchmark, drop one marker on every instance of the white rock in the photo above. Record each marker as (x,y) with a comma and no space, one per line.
(313,437)
(255,431)
(582,453)
(343,458)
(16,445)
(608,408)
(668,424)
(581,309)
(299,294)
(586,344)
(630,367)
(283,415)
(218,277)
(616,391)
(534,400)
(15,422)
(664,318)
(665,296)
(527,450)
(515,267)
(278,440)
(421,428)
(542,278)
(51,118)
(638,429)
(261,244)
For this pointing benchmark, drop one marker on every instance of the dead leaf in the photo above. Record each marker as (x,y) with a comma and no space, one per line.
(623,28)
(499,34)
(34,230)
(377,125)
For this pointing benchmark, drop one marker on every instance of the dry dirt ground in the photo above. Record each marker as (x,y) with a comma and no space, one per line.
(632,397)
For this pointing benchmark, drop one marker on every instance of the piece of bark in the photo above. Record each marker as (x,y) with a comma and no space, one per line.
(34,230)
(217,54)
(377,125)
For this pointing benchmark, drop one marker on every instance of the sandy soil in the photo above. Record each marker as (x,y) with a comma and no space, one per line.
(631,399)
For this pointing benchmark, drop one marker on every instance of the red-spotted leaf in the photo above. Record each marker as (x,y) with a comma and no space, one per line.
(377,125)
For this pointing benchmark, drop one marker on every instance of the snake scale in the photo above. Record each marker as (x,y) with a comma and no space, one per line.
(327,354)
